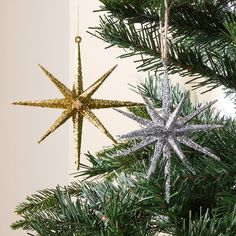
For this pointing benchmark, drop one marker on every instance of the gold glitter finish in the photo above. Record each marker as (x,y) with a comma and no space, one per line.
(77,104)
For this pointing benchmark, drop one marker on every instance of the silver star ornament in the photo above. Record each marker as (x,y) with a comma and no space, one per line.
(167,131)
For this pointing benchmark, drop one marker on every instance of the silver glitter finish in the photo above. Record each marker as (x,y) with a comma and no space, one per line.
(139,119)
(166,94)
(167,131)
(189,117)
(167,171)
(152,112)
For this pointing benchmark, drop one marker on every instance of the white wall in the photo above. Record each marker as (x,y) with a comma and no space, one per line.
(34,32)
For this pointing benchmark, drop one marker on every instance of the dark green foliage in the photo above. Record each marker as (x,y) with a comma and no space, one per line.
(213,225)
(122,204)
(201,43)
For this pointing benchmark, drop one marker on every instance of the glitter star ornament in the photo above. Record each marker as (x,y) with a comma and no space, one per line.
(167,131)
(77,104)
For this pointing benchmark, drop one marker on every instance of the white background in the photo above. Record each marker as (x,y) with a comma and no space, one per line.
(34,32)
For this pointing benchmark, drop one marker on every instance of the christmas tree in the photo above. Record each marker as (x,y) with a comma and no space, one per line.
(170,175)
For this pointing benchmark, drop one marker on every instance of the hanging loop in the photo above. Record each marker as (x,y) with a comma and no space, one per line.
(78,39)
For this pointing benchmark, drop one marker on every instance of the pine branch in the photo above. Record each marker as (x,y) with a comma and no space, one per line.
(127,206)
(102,209)
(190,17)
(210,225)
(202,45)
(134,11)
(41,201)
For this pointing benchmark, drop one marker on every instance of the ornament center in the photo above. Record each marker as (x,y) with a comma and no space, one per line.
(166,132)
(77,104)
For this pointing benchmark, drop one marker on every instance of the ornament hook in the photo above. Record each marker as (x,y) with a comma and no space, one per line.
(78,39)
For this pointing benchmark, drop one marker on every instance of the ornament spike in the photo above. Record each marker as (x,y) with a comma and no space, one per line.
(146,132)
(48,103)
(167,172)
(157,153)
(94,87)
(197,128)
(60,120)
(189,117)
(77,132)
(101,103)
(138,119)
(175,146)
(176,112)
(151,110)
(78,84)
(188,142)
(166,99)
(88,114)
(140,145)
(62,88)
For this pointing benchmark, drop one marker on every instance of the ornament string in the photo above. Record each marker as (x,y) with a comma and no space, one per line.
(166,99)
(164,58)
(164,33)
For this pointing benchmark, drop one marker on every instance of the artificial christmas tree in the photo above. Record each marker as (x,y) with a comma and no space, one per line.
(201,43)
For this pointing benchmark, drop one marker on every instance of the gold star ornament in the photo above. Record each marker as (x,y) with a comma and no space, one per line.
(77,104)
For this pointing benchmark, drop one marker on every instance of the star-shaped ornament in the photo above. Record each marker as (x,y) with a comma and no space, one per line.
(167,131)
(78,104)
